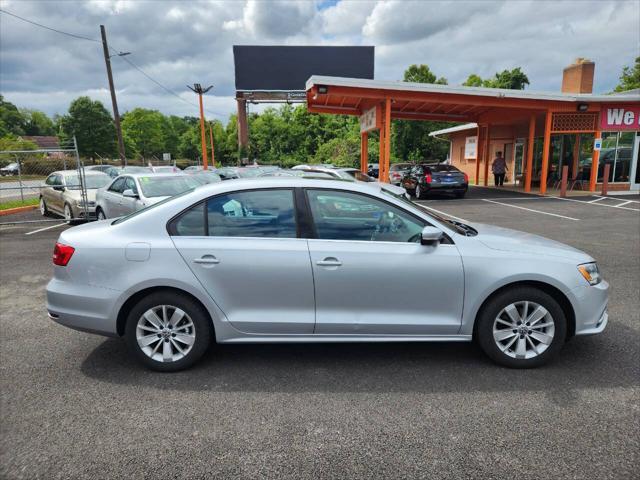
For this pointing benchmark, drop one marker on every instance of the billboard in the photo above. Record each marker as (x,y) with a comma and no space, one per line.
(278,68)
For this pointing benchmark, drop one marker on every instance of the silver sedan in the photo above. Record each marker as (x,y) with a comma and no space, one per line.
(130,193)
(288,259)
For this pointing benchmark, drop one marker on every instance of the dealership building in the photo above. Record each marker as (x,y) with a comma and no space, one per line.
(539,133)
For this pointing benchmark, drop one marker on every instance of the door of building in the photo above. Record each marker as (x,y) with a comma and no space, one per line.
(635,167)
(518,162)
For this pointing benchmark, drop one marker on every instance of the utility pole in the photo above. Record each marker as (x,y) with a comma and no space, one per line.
(197,88)
(213,158)
(114,103)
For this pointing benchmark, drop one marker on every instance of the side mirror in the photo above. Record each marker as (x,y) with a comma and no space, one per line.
(129,193)
(59,188)
(431,235)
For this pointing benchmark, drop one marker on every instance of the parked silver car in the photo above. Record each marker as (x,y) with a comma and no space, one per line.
(287,259)
(130,193)
(62,193)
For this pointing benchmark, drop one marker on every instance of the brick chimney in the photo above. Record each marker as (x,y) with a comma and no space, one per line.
(578,77)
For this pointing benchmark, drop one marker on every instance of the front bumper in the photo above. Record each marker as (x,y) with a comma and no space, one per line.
(79,211)
(590,304)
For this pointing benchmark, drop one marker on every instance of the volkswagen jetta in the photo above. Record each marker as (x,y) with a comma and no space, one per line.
(288,259)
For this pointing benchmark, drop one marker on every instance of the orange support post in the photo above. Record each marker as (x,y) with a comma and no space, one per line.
(387,142)
(545,153)
(213,157)
(478,153)
(204,142)
(595,164)
(485,154)
(364,152)
(381,150)
(529,166)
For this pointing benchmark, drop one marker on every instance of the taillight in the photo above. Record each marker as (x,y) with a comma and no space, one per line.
(466,178)
(427,178)
(62,254)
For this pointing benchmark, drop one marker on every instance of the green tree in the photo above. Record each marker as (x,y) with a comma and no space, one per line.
(410,138)
(145,129)
(11,120)
(37,123)
(473,80)
(514,79)
(92,126)
(630,78)
(422,74)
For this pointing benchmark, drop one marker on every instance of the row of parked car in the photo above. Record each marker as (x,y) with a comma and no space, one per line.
(117,191)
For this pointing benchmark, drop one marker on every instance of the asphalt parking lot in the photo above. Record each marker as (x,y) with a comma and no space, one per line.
(74,405)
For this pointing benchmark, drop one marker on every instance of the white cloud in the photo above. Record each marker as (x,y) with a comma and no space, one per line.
(180,43)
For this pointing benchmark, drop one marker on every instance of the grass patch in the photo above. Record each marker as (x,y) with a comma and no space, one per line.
(18,203)
(14,178)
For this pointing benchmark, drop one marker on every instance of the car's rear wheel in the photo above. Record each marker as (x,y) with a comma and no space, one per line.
(168,331)
(43,208)
(68,213)
(522,327)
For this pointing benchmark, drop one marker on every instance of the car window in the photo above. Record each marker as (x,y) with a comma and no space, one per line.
(341,215)
(166,186)
(417,170)
(130,184)
(191,223)
(118,185)
(51,180)
(256,213)
(443,168)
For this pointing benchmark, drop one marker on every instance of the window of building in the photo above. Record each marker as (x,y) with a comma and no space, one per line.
(617,148)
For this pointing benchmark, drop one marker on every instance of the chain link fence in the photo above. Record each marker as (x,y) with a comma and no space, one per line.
(54,180)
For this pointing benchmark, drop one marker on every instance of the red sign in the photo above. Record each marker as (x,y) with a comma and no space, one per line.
(619,117)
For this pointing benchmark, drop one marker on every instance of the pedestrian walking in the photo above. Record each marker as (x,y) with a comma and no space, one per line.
(499,169)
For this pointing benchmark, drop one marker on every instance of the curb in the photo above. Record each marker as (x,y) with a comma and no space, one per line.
(9,211)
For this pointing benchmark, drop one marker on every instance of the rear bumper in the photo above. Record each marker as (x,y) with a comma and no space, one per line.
(590,304)
(82,307)
(447,187)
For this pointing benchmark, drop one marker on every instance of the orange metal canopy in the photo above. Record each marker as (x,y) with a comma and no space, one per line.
(485,106)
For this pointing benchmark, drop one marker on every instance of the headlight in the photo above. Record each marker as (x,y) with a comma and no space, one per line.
(590,273)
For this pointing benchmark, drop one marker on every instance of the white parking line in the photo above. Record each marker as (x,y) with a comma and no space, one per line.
(532,210)
(616,198)
(624,203)
(598,204)
(596,200)
(46,228)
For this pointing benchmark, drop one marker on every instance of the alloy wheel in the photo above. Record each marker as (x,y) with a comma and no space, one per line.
(165,333)
(101,215)
(43,208)
(68,215)
(523,330)
(418,191)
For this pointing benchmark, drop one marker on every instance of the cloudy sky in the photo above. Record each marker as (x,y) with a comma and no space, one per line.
(184,42)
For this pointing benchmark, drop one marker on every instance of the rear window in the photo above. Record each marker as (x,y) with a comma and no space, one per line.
(443,168)
(166,186)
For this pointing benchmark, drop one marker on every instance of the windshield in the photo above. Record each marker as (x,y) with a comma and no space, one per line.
(443,168)
(459,227)
(135,170)
(249,172)
(166,186)
(92,181)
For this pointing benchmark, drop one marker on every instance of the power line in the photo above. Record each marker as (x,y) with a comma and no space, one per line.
(81,37)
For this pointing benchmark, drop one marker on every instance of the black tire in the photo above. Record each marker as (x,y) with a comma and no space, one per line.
(489,312)
(460,194)
(98,212)
(44,210)
(419,194)
(204,334)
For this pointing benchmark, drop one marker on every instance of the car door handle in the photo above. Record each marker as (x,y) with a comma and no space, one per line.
(329,262)
(206,260)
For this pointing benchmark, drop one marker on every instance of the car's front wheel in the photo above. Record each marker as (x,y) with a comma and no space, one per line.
(168,331)
(68,213)
(43,208)
(522,327)
(419,193)
(100,214)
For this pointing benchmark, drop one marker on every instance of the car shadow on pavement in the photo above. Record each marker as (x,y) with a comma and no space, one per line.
(588,362)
